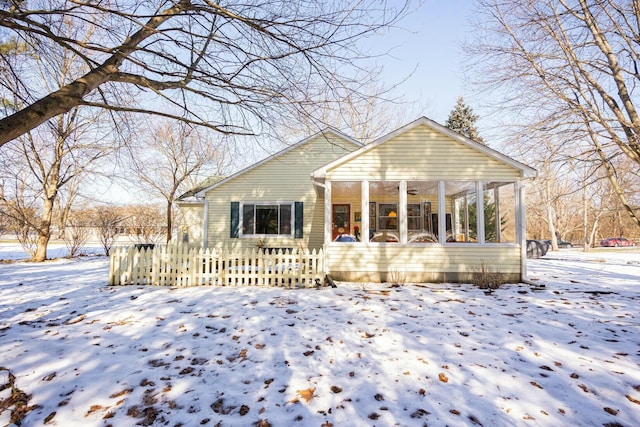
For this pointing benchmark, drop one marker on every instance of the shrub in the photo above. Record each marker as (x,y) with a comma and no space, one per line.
(485,277)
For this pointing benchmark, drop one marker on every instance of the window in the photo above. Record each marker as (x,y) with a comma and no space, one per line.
(388,216)
(414,217)
(267,219)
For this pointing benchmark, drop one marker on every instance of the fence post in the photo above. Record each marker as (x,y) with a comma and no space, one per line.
(300,264)
(113,271)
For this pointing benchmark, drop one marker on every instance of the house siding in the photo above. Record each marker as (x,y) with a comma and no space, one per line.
(190,221)
(285,178)
(421,263)
(423,154)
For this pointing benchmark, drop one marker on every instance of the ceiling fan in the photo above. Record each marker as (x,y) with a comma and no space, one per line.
(410,191)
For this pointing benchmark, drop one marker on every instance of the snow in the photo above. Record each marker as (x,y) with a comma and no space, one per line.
(564,352)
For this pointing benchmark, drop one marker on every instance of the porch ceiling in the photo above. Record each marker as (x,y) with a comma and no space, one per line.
(383,188)
(414,188)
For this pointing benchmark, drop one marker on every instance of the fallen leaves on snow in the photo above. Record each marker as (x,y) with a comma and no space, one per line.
(306,395)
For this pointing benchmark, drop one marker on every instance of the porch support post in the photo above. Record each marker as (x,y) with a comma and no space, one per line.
(521,221)
(480,211)
(498,214)
(442,213)
(327,212)
(365,226)
(402,212)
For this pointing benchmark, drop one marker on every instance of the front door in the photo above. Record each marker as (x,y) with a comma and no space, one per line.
(341,224)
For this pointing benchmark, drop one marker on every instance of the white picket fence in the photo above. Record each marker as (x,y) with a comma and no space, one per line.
(180,265)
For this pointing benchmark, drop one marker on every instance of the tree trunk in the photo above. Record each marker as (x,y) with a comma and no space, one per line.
(44,231)
(552,224)
(169,219)
(552,229)
(594,229)
(585,220)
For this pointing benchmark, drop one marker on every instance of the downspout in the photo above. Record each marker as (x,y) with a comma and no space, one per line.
(364,201)
(327,220)
(205,224)
(327,224)
(480,212)
(521,219)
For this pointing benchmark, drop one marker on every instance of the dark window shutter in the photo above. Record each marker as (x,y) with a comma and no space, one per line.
(299,220)
(235,220)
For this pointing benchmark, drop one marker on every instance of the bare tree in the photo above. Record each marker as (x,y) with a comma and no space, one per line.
(18,204)
(172,158)
(553,203)
(76,232)
(570,68)
(66,200)
(60,152)
(597,200)
(54,155)
(144,223)
(362,117)
(107,220)
(229,66)
(17,211)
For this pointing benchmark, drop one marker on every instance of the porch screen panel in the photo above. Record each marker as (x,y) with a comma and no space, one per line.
(491,215)
(348,193)
(422,201)
(462,197)
(385,196)
(499,212)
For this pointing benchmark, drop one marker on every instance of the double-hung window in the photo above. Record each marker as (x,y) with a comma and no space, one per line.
(267,219)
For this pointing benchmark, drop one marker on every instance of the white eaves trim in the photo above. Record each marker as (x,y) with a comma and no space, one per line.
(190,202)
(527,172)
(327,131)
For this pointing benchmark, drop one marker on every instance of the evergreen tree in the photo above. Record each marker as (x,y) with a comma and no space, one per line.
(463,121)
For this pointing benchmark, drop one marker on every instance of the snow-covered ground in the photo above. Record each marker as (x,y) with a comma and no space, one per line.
(76,352)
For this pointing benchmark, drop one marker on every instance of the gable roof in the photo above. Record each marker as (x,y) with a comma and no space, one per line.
(201,192)
(206,183)
(527,171)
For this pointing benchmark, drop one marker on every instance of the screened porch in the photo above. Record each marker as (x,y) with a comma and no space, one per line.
(415,212)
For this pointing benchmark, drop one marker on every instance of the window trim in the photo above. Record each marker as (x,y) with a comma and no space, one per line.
(292,207)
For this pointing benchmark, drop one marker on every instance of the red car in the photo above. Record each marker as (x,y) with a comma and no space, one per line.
(616,241)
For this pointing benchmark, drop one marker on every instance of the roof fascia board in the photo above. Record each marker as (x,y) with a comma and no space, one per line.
(189,202)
